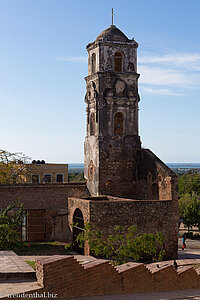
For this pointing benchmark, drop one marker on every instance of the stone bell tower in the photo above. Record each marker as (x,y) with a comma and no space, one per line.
(112,114)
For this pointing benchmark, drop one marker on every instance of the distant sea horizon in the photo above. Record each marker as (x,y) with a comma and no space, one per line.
(78,166)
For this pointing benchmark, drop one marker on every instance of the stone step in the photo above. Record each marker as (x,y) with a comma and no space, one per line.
(12,267)
(17,275)
(12,287)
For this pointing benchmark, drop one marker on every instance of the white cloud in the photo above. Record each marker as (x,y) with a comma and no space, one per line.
(76,59)
(165,77)
(159,91)
(169,73)
(182,60)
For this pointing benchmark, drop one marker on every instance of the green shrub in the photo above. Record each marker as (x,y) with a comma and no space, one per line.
(123,245)
(10,224)
(68,246)
(9,238)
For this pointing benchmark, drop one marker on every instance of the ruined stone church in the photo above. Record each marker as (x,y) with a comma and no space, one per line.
(126,184)
(129,185)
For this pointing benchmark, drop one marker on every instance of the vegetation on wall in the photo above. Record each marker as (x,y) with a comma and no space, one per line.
(10,225)
(123,245)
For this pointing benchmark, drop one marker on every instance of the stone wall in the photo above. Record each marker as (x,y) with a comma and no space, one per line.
(139,174)
(77,189)
(148,216)
(83,205)
(154,179)
(113,167)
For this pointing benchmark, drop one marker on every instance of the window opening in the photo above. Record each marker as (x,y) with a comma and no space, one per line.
(92,124)
(59,178)
(155,191)
(93,63)
(118,62)
(24,227)
(47,178)
(35,178)
(118,123)
(77,228)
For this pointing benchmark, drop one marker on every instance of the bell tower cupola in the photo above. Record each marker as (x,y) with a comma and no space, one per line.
(112,113)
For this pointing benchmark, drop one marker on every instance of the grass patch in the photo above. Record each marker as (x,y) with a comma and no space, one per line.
(44,248)
(31,263)
(196,266)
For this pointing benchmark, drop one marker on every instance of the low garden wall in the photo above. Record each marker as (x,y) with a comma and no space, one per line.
(68,278)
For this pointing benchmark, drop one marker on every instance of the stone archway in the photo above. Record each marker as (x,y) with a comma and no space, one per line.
(77,228)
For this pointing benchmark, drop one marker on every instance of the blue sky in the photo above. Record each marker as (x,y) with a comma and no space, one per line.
(43,62)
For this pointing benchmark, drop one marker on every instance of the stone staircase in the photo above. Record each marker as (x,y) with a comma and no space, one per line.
(16,276)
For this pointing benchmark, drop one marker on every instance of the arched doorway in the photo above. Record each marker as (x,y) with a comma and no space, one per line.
(77,228)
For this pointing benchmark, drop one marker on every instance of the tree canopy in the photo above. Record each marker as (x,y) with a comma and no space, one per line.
(189,183)
(189,199)
(13,167)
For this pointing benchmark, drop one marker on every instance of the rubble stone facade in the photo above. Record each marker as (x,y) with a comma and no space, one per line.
(112,113)
(115,163)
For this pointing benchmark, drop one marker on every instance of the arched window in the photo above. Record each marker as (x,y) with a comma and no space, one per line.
(92,124)
(118,123)
(155,191)
(93,63)
(118,62)
(77,228)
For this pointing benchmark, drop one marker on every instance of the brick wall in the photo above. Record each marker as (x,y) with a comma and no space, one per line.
(38,196)
(51,200)
(41,196)
(68,278)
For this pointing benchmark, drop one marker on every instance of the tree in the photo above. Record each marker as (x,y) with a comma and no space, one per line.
(76,177)
(191,213)
(13,167)
(189,183)
(182,203)
(10,223)
(123,245)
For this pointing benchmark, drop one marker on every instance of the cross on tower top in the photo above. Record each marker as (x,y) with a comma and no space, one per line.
(112,16)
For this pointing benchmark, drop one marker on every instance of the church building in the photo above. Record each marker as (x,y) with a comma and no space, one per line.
(128,185)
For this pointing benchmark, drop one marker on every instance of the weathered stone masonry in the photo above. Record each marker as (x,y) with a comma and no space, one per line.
(115,163)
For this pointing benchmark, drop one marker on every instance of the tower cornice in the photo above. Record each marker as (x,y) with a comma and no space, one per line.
(111,73)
